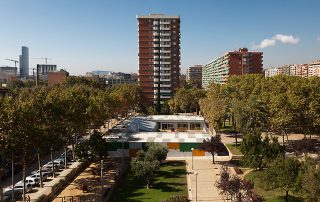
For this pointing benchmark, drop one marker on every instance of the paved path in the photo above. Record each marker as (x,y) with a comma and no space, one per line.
(208,173)
(93,182)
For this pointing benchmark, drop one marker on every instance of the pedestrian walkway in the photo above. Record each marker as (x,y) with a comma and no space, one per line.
(202,186)
(88,185)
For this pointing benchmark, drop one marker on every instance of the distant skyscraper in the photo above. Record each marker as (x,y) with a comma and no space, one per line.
(24,62)
(159,57)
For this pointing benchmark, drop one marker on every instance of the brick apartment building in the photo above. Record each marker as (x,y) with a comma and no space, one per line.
(194,75)
(232,63)
(159,57)
(57,77)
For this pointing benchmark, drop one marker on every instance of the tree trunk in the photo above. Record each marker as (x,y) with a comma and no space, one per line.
(24,178)
(236,134)
(51,155)
(287,196)
(1,189)
(73,155)
(212,157)
(65,157)
(40,170)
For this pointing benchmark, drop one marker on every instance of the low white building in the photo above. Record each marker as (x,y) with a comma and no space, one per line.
(179,123)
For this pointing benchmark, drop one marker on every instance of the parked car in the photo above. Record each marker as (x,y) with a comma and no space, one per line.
(37,175)
(19,187)
(60,161)
(29,181)
(49,165)
(8,195)
(46,172)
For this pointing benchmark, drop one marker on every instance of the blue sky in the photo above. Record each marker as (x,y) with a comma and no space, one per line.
(86,35)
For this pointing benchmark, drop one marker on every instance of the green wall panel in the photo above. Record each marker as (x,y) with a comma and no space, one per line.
(186,147)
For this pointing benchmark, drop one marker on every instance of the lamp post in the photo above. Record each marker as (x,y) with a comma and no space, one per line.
(101,175)
(196,173)
(192,158)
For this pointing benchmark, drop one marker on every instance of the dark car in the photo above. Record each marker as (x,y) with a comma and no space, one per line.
(8,195)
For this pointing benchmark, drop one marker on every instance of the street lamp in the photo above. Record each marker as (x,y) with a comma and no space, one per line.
(192,157)
(196,173)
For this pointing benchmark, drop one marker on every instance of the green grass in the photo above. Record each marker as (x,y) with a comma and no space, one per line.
(270,196)
(233,149)
(170,180)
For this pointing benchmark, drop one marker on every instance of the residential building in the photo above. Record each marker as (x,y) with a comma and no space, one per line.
(302,70)
(109,78)
(194,75)
(270,72)
(7,74)
(182,80)
(57,77)
(24,62)
(238,62)
(314,68)
(159,57)
(45,68)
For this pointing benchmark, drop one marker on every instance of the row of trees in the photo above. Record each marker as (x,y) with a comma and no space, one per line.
(186,100)
(253,104)
(291,175)
(38,121)
(279,104)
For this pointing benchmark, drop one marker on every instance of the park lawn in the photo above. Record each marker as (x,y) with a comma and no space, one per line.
(170,181)
(233,149)
(227,128)
(270,196)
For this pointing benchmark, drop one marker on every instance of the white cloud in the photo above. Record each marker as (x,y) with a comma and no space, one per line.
(277,38)
(286,38)
(265,43)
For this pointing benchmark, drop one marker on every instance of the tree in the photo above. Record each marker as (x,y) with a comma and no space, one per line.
(257,151)
(156,151)
(239,189)
(302,146)
(282,173)
(148,162)
(212,145)
(186,100)
(127,97)
(214,106)
(311,185)
(145,169)
(96,148)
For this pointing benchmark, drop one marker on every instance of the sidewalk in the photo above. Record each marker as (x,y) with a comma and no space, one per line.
(93,182)
(208,174)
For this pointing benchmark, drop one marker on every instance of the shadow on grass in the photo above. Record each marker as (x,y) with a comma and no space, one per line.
(170,179)
(282,199)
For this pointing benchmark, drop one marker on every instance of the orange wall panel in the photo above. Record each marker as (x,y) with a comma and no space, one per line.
(198,152)
(173,145)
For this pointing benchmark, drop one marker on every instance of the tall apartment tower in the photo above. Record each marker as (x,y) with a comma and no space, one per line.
(237,62)
(159,57)
(194,75)
(24,62)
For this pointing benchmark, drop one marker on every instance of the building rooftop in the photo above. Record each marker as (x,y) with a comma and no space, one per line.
(159,16)
(174,118)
